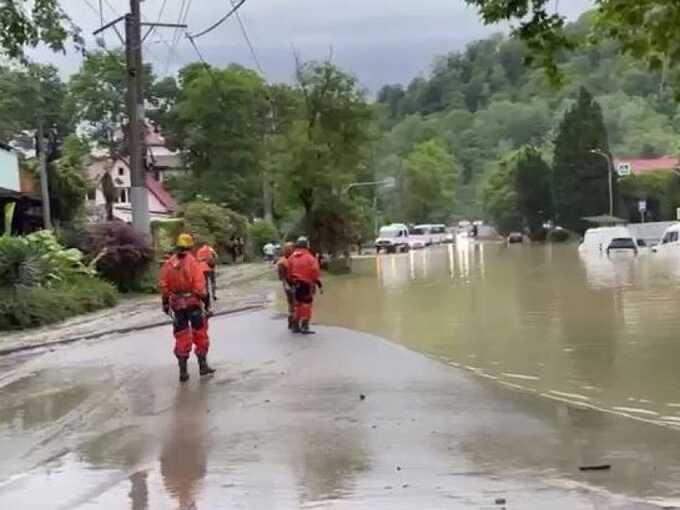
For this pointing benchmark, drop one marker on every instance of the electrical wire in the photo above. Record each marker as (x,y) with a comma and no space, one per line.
(220,21)
(253,53)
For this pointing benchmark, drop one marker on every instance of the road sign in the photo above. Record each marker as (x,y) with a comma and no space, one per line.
(623,169)
(642,206)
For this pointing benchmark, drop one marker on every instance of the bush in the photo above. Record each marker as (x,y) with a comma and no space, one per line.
(558,235)
(38,260)
(213,224)
(260,233)
(122,256)
(25,307)
(164,234)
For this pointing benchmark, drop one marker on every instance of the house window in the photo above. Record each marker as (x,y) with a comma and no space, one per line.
(92,195)
(123,196)
(121,171)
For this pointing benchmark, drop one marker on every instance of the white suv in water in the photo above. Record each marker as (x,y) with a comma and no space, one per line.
(393,238)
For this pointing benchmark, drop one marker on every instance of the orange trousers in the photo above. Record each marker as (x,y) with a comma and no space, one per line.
(190,328)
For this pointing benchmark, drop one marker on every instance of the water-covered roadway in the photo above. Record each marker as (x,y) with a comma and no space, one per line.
(104,424)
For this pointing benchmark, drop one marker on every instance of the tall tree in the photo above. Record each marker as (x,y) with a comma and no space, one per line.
(534,188)
(97,92)
(329,144)
(429,190)
(580,178)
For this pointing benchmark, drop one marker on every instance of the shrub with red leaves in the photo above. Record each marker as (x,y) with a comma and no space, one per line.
(124,254)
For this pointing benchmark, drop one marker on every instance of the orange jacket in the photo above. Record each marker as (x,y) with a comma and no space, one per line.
(182,275)
(207,256)
(303,267)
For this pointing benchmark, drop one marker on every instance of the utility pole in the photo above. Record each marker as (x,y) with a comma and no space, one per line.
(135,109)
(41,146)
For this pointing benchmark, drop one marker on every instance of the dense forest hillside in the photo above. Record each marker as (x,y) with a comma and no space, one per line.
(445,131)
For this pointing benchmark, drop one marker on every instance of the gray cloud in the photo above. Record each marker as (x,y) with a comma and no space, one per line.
(381,41)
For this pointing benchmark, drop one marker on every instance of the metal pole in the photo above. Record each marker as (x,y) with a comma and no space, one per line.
(135,107)
(610,163)
(44,186)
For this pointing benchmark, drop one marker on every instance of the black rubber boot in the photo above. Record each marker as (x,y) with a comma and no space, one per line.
(203,367)
(183,372)
(304,328)
(295,327)
(291,322)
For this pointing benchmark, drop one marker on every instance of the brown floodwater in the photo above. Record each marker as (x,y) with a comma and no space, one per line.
(596,332)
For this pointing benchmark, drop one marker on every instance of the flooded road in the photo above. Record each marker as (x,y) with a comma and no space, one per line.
(595,332)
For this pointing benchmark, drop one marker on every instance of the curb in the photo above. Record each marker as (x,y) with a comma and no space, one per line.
(120,331)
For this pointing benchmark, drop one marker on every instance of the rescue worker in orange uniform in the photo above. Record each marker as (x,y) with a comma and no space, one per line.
(283,270)
(207,256)
(304,273)
(182,284)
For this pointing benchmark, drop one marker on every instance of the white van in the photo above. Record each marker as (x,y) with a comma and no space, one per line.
(670,241)
(420,236)
(609,240)
(392,238)
(439,234)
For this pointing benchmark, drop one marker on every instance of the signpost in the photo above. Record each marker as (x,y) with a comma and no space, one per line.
(642,207)
(623,169)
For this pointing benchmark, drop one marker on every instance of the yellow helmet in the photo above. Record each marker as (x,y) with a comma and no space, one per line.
(185,241)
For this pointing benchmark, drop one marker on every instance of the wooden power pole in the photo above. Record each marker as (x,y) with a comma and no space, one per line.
(135,109)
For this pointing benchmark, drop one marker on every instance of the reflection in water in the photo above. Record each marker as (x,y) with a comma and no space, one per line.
(596,330)
(184,457)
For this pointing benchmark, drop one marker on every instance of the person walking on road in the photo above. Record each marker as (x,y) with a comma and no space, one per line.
(305,274)
(183,289)
(282,267)
(269,251)
(207,256)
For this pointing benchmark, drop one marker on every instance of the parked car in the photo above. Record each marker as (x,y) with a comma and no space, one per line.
(622,245)
(438,233)
(393,238)
(670,241)
(599,240)
(515,238)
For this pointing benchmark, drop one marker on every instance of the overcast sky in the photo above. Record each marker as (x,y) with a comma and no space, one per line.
(381,41)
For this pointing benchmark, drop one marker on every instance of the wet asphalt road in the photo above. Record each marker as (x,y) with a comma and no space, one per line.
(104,424)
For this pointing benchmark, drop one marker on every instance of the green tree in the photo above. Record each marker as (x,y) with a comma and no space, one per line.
(29,24)
(328,145)
(430,183)
(534,190)
(223,114)
(580,178)
(98,94)
(68,184)
(499,196)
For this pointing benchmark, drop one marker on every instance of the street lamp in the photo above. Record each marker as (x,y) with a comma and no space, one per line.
(610,164)
(387,183)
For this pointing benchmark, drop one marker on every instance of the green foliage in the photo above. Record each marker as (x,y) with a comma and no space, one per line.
(164,234)
(661,191)
(518,194)
(67,182)
(429,184)
(213,224)
(29,24)
(260,233)
(97,93)
(580,178)
(38,260)
(26,307)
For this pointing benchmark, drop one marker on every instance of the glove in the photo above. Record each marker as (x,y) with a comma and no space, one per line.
(166,306)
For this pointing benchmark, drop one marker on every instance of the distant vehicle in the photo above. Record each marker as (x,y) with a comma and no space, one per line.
(515,238)
(622,245)
(393,238)
(670,241)
(438,234)
(450,236)
(599,240)
(420,236)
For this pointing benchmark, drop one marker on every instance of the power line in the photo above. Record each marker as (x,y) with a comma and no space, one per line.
(248,41)
(220,21)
